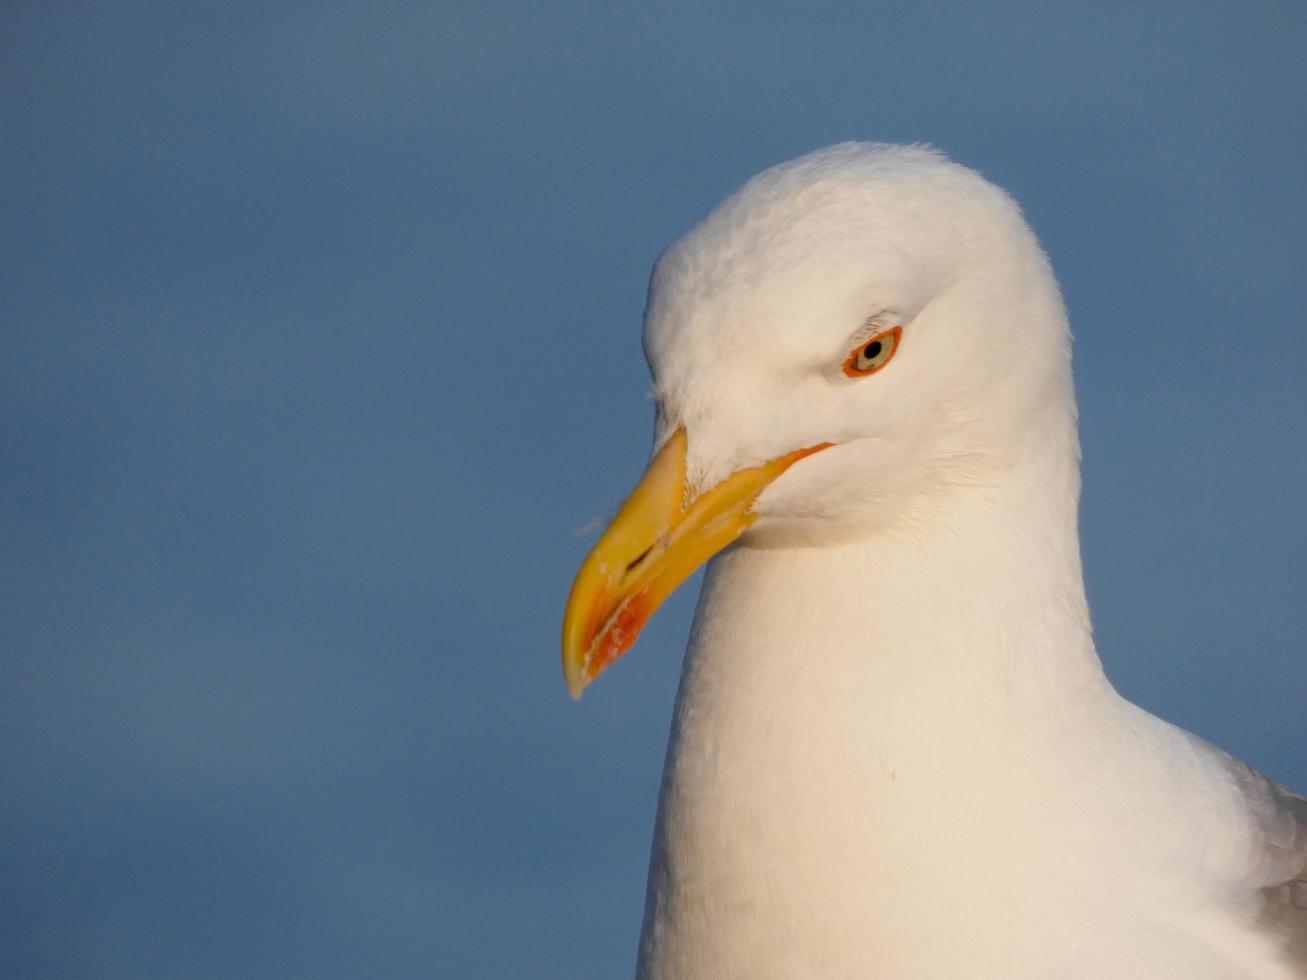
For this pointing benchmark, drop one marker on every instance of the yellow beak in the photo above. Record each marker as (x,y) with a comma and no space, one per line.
(658,538)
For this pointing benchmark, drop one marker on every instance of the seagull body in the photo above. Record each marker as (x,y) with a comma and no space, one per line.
(894,750)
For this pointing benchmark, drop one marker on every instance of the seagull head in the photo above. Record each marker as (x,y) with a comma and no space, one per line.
(837,348)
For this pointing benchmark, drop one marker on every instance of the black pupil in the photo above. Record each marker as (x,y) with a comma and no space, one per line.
(872,350)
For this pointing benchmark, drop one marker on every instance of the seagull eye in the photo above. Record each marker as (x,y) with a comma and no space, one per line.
(872,355)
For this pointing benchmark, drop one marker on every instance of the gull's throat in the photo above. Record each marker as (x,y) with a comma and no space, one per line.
(844,709)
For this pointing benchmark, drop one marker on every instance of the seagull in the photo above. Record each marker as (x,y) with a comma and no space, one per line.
(894,751)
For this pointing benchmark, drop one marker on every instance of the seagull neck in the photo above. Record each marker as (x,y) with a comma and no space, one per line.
(973,624)
(867,713)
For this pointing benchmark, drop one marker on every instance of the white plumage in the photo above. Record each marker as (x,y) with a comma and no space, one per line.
(894,752)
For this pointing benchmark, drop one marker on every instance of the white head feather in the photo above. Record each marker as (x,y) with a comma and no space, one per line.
(752,313)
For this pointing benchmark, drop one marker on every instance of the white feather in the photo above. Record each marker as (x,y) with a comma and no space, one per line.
(895,753)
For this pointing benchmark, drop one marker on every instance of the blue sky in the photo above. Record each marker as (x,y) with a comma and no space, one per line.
(321,351)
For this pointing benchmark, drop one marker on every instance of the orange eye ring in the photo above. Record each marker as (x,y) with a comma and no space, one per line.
(873,354)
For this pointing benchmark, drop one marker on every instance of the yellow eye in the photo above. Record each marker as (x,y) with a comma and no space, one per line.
(872,355)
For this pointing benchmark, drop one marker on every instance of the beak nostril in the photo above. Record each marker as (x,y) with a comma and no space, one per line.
(639,558)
